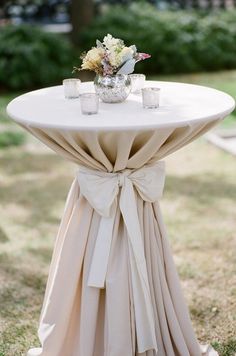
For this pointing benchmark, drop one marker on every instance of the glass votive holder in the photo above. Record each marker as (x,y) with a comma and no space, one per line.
(151,98)
(137,82)
(89,103)
(71,88)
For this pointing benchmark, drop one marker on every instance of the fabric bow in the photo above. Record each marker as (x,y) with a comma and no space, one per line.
(101,190)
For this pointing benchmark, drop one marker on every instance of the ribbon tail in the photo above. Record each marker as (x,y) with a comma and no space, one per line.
(144,317)
(100,259)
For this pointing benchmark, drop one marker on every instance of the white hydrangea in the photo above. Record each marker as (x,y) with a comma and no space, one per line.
(110,41)
(114,58)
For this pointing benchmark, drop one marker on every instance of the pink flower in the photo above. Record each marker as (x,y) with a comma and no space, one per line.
(142,56)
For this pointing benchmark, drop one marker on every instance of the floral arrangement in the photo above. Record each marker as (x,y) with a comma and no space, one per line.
(111,57)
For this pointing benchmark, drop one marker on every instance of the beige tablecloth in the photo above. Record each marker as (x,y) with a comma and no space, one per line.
(78,320)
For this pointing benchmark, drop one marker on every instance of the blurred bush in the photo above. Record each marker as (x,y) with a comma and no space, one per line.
(179,41)
(30,57)
(11,138)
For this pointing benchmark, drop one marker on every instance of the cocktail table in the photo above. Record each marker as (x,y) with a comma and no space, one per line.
(113,289)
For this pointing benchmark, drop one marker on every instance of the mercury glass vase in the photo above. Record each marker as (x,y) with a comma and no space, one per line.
(112,88)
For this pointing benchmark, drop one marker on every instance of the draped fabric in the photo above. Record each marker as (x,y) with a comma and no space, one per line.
(80,320)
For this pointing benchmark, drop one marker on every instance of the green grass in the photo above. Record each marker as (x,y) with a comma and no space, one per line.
(11,138)
(10,134)
(226,349)
(5,98)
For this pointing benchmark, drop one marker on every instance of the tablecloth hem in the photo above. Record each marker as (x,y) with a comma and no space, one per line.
(206,350)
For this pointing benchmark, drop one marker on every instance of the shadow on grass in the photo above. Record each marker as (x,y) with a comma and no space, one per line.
(3,236)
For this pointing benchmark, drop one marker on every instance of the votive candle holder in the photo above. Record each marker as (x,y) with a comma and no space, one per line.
(151,97)
(137,82)
(71,88)
(89,103)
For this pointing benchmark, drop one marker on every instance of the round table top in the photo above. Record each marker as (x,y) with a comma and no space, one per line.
(180,105)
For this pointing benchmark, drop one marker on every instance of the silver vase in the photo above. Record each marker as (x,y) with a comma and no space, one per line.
(112,88)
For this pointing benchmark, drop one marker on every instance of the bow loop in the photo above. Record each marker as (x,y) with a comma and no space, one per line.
(149,181)
(99,188)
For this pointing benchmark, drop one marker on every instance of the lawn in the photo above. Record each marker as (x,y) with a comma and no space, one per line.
(198,207)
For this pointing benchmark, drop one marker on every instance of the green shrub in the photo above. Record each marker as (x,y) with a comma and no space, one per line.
(30,57)
(11,138)
(179,41)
